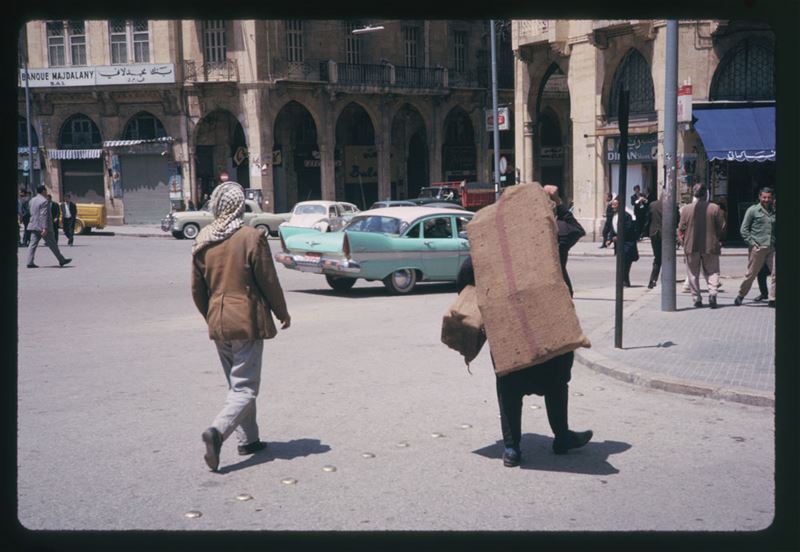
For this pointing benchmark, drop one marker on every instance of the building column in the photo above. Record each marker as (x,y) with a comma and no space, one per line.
(384,147)
(523,125)
(435,133)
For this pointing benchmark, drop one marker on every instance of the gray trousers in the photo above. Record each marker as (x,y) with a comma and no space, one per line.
(36,237)
(241,362)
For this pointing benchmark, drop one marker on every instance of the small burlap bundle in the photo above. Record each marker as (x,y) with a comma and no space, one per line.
(462,326)
(528,314)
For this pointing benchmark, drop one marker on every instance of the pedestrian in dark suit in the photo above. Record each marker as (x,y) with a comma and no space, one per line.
(628,237)
(24,212)
(639,202)
(41,227)
(654,230)
(569,231)
(69,214)
(549,379)
(236,289)
(55,212)
(607,224)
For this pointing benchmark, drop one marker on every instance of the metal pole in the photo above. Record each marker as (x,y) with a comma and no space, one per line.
(495,129)
(622,192)
(669,202)
(24,51)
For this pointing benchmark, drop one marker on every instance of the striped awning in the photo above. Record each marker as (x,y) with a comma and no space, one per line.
(75,153)
(123,143)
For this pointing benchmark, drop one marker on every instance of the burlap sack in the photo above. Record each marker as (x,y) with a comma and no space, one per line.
(527,312)
(462,326)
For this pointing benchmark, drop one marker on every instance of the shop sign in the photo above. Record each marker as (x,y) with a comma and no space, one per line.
(502,119)
(127,74)
(642,148)
(116,177)
(23,164)
(240,155)
(552,152)
(361,165)
(685,104)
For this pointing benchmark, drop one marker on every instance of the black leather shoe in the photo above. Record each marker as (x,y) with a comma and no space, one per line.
(712,301)
(213,440)
(573,439)
(251,448)
(738,300)
(760,297)
(65,262)
(698,303)
(771,304)
(511,457)
(651,285)
(33,266)
(626,283)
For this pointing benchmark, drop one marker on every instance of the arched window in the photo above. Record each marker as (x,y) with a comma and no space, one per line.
(633,74)
(79,132)
(747,72)
(144,126)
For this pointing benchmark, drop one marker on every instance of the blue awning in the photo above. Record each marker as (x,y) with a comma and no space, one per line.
(736,133)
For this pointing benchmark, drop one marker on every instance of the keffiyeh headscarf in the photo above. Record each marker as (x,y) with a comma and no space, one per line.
(227,206)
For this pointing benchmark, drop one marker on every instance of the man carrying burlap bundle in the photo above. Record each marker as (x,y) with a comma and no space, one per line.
(527,311)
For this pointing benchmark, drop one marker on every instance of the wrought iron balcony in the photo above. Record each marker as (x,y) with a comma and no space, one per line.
(307,70)
(419,77)
(363,74)
(213,71)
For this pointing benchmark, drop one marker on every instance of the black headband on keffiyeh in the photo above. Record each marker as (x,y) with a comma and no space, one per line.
(227,206)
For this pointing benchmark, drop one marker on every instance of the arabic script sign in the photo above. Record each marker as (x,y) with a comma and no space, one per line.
(97,76)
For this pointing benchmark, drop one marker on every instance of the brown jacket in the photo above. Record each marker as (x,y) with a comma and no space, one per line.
(235,287)
(702,225)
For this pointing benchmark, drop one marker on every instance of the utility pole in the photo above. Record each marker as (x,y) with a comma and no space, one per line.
(669,199)
(622,192)
(23,48)
(495,126)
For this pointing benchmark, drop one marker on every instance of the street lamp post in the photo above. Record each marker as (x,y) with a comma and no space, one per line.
(24,51)
(495,126)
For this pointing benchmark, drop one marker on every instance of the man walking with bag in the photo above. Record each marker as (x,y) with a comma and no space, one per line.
(236,289)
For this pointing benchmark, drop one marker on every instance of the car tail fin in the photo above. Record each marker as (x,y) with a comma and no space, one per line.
(283,243)
(346,246)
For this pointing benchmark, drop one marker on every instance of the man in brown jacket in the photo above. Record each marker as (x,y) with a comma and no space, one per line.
(701,227)
(236,289)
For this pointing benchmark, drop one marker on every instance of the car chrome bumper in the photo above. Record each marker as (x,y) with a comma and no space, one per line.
(318,265)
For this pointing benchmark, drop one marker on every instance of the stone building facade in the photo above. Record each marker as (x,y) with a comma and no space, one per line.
(144,115)
(569,74)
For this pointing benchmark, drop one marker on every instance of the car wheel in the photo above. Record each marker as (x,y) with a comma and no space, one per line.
(401,281)
(263,228)
(78,227)
(190,231)
(340,283)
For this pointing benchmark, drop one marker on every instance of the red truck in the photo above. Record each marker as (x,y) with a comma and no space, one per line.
(470,195)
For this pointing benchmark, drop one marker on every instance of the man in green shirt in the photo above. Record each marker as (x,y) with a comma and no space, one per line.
(758,231)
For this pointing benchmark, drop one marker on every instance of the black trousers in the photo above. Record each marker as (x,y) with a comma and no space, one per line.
(762,280)
(549,379)
(69,229)
(655,243)
(563,256)
(26,234)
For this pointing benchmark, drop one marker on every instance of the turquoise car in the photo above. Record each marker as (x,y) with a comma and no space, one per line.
(399,246)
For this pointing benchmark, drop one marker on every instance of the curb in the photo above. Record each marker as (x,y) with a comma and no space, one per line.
(616,370)
(130,235)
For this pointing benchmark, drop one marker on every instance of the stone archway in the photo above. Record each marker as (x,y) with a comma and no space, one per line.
(459,157)
(409,153)
(219,139)
(357,177)
(296,170)
(552,149)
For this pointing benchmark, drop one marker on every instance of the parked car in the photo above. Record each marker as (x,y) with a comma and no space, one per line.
(187,224)
(319,215)
(469,195)
(392,203)
(399,246)
(88,216)
(442,205)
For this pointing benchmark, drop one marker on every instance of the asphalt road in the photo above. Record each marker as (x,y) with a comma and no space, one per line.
(117,379)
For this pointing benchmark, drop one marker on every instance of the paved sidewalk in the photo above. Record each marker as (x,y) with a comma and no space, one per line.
(727,353)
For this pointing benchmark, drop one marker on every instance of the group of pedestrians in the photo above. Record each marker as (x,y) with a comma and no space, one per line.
(39,217)
(701,228)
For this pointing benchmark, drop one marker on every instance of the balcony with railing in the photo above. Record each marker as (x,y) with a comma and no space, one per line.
(363,74)
(419,77)
(307,70)
(212,71)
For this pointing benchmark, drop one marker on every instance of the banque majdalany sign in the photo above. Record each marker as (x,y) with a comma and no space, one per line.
(99,75)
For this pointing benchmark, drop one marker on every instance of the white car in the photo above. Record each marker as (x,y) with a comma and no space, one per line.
(321,215)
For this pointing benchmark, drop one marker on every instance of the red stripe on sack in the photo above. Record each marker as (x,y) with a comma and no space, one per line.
(505,251)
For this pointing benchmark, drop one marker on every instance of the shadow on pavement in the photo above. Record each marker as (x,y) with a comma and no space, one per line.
(277,451)
(537,454)
(664,345)
(366,292)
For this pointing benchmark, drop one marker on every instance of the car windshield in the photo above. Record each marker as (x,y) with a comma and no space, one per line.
(385,225)
(310,210)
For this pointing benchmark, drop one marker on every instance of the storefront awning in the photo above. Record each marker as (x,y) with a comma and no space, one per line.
(75,153)
(123,143)
(736,133)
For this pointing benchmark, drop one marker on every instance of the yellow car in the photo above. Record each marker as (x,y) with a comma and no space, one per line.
(90,215)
